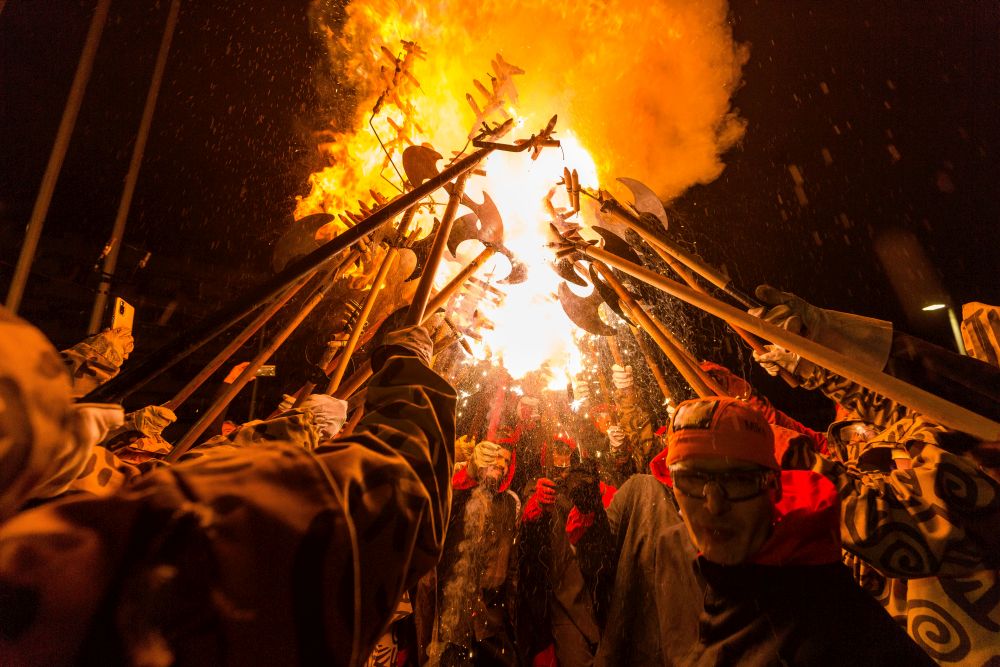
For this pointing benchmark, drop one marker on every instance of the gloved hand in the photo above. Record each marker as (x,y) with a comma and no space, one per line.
(865,339)
(581,389)
(777,358)
(287,401)
(616,436)
(483,456)
(786,311)
(115,344)
(671,408)
(150,420)
(415,338)
(583,486)
(329,413)
(622,377)
(545,491)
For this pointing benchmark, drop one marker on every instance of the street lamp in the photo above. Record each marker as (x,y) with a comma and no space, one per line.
(953,320)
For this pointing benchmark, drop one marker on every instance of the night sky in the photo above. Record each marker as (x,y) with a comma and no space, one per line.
(871,127)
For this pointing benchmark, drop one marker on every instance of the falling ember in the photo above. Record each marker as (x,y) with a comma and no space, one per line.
(641,89)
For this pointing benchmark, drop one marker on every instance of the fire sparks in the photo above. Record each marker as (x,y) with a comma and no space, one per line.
(641,89)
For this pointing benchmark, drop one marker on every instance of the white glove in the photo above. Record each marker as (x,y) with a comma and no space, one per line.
(581,389)
(485,454)
(777,358)
(287,401)
(415,338)
(671,408)
(151,420)
(616,436)
(622,377)
(329,413)
(866,340)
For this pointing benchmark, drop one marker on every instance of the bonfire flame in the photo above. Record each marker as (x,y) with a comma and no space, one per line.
(640,89)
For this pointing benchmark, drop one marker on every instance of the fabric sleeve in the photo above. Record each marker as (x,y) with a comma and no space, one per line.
(637,422)
(939,518)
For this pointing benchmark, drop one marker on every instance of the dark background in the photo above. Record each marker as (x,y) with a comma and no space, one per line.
(901,96)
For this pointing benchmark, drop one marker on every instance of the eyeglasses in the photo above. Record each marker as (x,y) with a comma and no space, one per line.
(735,485)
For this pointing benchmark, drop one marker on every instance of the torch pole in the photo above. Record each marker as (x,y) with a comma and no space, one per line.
(185,344)
(58,155)
(366,309)
(360,376)
(670,347)
(228,351)
(325,282)
(654,367)
(933,407)
(245,335)
(673,255)
(419,303)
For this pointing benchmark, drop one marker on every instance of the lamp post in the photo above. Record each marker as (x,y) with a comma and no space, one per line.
(952,320)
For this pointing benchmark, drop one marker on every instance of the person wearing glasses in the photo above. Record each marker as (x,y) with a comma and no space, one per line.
(724,559)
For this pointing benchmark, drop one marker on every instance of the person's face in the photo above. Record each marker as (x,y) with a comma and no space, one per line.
(496,472)
(727,531)
(602,420)
(527,411)
(561,456)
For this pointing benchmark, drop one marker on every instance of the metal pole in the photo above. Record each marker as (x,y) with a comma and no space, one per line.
(184,344)
(52,169)
(132,175)
(956,331)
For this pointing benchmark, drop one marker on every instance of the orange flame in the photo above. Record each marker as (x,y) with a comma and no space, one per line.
(641,89)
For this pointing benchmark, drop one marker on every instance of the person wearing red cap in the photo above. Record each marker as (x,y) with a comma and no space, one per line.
(724,559)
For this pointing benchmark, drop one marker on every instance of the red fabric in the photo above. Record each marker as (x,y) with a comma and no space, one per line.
(546,658)
(533,510)
(807,529)
(737,386)
(660,468)
(461,480)
(578,522)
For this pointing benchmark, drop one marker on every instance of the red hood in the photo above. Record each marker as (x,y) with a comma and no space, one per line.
(807,529)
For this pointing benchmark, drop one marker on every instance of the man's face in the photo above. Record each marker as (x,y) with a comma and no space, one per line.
(726,530)
(496,472)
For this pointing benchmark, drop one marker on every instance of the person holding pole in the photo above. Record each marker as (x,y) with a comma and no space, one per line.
(266,555)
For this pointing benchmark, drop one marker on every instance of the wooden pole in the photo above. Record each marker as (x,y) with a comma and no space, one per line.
(654,367)
(933,407)
(191,437)
(352,342)
(672,351)
(420,297)
(360,376)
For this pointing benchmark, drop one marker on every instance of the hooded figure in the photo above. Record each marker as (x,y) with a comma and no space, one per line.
(748,573)
(258,555)
(465,614)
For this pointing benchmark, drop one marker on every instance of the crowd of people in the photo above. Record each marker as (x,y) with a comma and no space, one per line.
(728,534)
